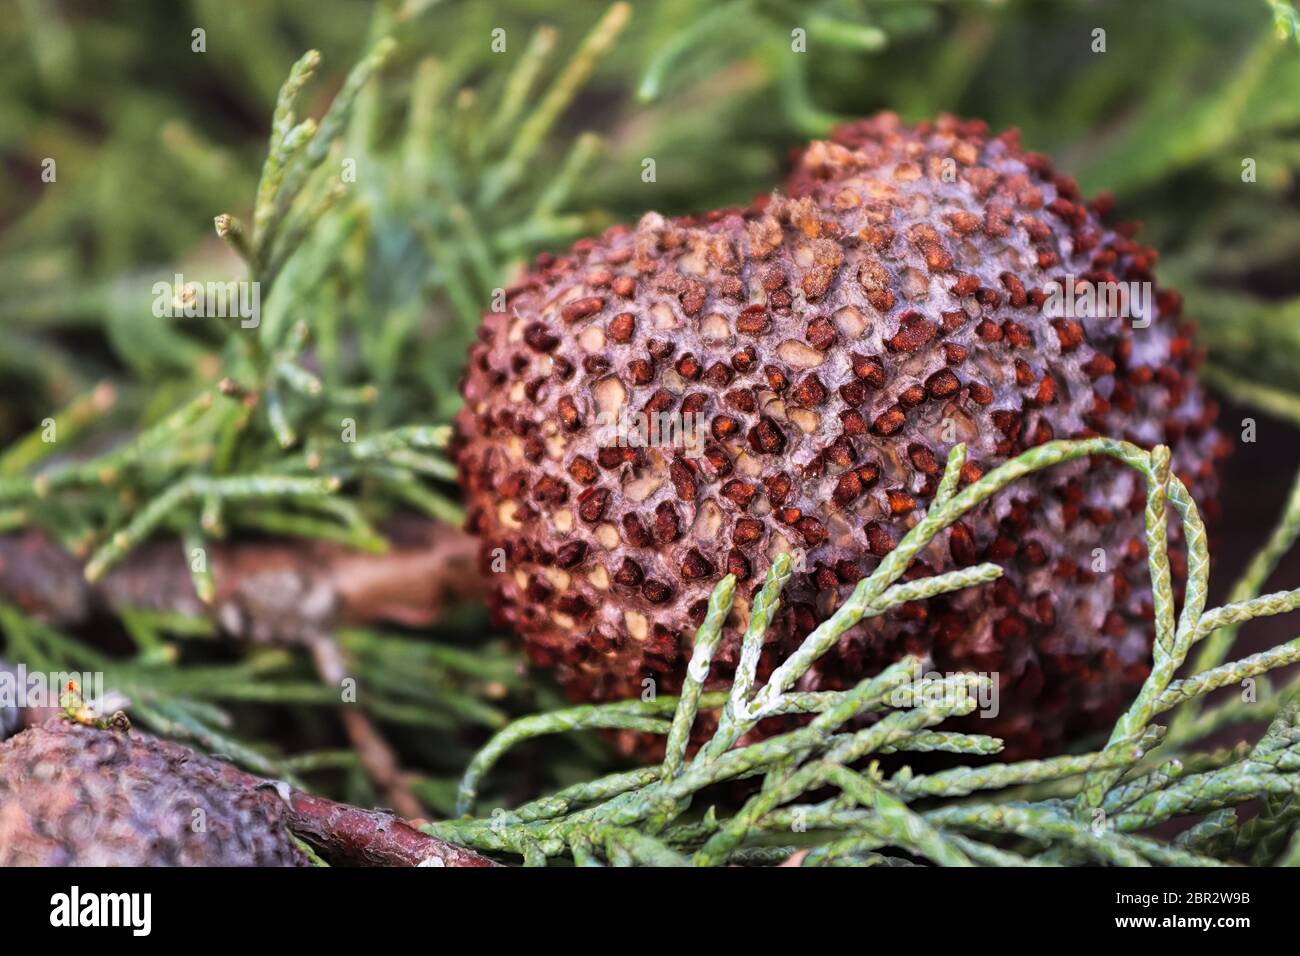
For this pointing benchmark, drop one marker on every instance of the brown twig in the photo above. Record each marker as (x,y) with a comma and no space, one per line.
(350,835)
(273,590)
(378,759)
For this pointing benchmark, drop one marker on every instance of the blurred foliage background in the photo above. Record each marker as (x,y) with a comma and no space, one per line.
(152,140)
(468,162)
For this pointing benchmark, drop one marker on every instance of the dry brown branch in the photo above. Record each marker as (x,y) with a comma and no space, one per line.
(273,590)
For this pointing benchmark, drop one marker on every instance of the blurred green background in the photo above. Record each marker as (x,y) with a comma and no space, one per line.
(152,140)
